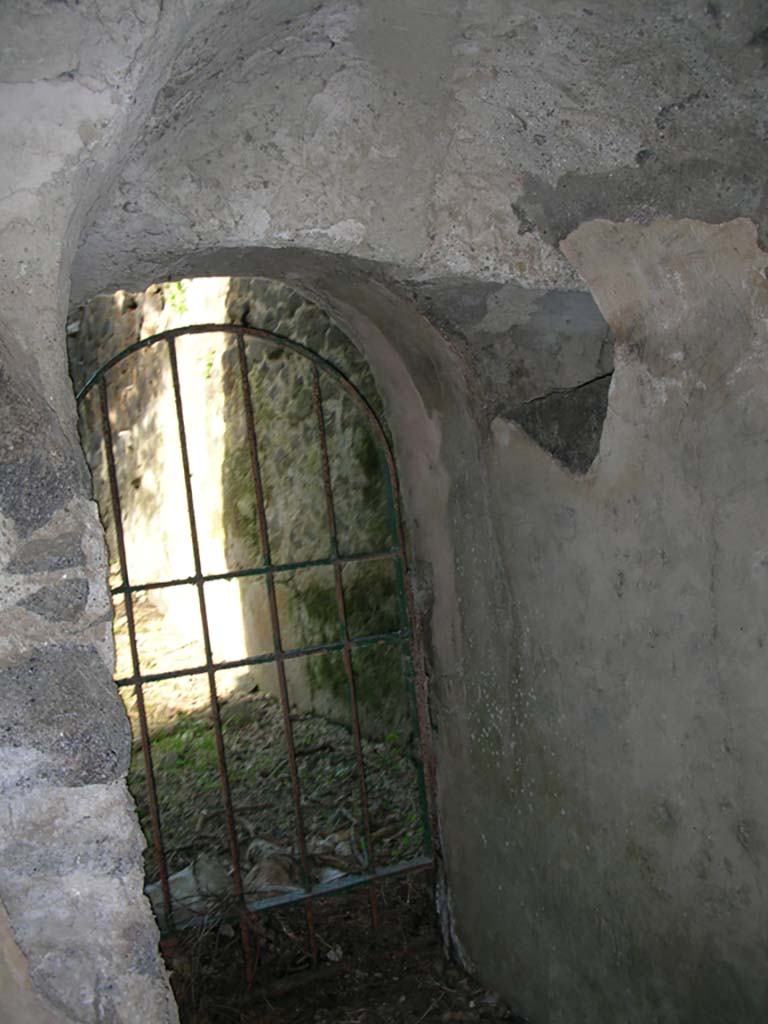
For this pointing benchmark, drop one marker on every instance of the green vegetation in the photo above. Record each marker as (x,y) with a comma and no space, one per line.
(291,468)
(187,778)
(175,295)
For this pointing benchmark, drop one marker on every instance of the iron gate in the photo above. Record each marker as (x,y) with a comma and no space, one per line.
(247,909)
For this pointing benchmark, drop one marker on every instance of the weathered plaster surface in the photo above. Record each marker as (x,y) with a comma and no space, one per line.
(443,137)
(595,637)
(626,829)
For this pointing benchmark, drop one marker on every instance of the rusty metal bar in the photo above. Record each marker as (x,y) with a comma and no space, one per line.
(226,792)
(369,412)
(236,574)
(347,647)
(421,683)
(426,767)
(339,885)
(276,340)
(268,659)
(276,635)
(370,878)
(268,570)
(154,811)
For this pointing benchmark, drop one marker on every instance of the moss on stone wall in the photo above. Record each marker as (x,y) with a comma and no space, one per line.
(291,469)
(371,608)
(281,385)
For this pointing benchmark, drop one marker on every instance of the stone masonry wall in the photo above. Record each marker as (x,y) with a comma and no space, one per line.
(71,890)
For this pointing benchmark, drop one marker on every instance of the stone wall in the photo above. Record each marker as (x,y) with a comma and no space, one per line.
(290,453)
(70,848)
(594,635)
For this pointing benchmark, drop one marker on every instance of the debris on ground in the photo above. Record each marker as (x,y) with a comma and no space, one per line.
(395,975)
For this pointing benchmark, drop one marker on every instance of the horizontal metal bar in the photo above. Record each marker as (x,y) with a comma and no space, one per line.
(261,570)
(335,888)
(397,636)
(339,885)
(256,333)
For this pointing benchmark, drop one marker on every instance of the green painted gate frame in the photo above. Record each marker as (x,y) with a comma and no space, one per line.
(404,637)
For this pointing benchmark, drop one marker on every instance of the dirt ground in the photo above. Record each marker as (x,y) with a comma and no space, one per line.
(395,975)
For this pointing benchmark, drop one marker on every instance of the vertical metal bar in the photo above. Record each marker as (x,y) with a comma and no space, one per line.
(422,687)
(347,649)
(154,812)
(427,824)
(226,792)
(415,693)
(404,580)
(276,635)
(426,769)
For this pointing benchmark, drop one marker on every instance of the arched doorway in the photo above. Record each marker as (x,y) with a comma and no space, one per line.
(245,358)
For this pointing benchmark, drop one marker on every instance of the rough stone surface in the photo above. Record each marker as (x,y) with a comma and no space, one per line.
(568,423)
(19,1000)
(524,120)
(60,601)
(43,554)
(61,702)
(594,640)
(39,471)
(69,859)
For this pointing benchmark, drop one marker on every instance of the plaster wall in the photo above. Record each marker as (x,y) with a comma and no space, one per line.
(624,828)
(593,633)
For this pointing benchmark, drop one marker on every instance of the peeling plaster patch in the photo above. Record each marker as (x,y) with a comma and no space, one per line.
(497,308)
(256,221)
(338,22)
(695,187)
(43,120)
(568,422)
(658,275)
(350,232)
